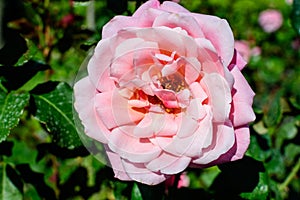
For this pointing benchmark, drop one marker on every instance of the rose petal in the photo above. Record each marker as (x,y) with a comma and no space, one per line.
(98,67)
(219,95)
(132,148)
(132,57)
(198,92)
(223,141)
(117,166)
(196,110)
(193,143)
(138,172)
(113,110)
(167,97)
(219,33)
(242,136)
(183,98)
(173,7)
(173,20)
(192,69)
(242,100)
(84,93)
(168,164)
(118,23)
(146,6)
(166,37)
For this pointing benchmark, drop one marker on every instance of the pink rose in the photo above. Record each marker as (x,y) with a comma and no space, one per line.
(165,92)
(270,20)
(244,49)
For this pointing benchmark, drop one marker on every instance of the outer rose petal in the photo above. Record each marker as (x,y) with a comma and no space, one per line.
(242,136)
(168,164)
(224,140)
(116,163)
(84,93)
(219,33)
(242,100)
(98,66)
(117,23)
(138,172)
(173,7)
(144,7)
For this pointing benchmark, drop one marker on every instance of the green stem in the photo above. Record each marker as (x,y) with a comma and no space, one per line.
(290,177)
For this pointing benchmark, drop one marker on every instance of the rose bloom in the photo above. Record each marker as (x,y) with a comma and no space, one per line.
(165,92)
(270,20)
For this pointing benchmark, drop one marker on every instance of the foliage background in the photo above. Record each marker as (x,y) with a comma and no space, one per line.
(44,43)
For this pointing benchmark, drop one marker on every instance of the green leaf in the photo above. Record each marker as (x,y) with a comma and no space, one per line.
(54,109)
(8,190)
(286,131)
(11,109)
(295,16)
(274,111)
(136,193)
(291,151)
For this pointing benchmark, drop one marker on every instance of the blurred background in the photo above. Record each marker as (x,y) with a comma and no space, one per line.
(43,44)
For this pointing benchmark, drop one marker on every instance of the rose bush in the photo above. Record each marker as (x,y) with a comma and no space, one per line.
(165,92)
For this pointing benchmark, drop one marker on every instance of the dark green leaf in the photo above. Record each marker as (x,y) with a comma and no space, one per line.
(15,46)
(286,131)
(291,151)
(261,191)
(37,180)
(8,189)
(11,109)
(296,16)
(274,111)
(237,177)
(275,166)
(6,148)
(54,109)
(150,192)
(15,77)
(259,147)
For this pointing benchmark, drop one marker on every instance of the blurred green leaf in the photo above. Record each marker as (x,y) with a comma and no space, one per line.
(286,131)
(54,109)
(291,151)
(11,109)
(274,111)
(295,16)
(8,190)
(275,166)
(136,193)
(259,147)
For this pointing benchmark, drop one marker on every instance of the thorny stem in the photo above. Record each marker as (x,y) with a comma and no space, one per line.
(283,186)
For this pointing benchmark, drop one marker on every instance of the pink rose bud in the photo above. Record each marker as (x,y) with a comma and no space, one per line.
(165,92)
(270,20)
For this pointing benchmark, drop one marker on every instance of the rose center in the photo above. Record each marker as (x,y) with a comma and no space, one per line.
(173,82)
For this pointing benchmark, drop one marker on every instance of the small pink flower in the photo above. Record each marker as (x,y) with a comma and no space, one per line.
(165,92)
(270,20)
(245,50)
